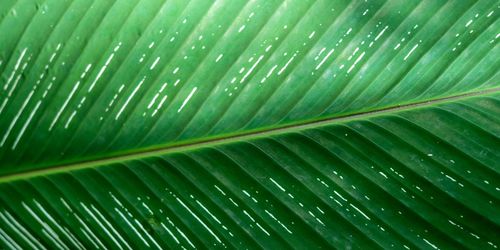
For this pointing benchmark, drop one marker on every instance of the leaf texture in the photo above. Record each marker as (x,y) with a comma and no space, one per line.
(302,124)
(84,80)
(426,178)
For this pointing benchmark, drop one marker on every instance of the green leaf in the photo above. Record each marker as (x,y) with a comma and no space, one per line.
(249,124)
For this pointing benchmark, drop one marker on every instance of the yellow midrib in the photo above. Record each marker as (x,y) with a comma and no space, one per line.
(231,138)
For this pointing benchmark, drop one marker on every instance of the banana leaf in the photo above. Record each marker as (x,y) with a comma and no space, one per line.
(249,124)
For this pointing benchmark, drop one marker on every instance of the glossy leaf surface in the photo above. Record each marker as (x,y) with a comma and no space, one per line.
(249,124)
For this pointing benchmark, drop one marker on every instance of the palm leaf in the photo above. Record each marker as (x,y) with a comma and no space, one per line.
(249,124)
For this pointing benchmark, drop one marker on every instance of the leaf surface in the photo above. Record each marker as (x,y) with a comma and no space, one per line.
(249,124)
